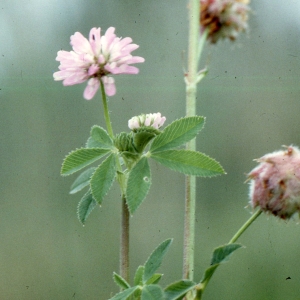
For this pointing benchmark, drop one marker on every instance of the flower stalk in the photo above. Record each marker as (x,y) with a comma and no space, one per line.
(106,111)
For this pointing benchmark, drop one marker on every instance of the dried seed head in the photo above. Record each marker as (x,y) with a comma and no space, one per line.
(223,18)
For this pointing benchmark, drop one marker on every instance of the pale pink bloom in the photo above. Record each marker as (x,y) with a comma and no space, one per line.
(275,183)
(153,120)
(96,59)
(223,18)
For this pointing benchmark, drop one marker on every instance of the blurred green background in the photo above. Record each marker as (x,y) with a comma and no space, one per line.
(250,98)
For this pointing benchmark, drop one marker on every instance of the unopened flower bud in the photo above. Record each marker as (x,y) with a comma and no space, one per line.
(147,120)
(275,183)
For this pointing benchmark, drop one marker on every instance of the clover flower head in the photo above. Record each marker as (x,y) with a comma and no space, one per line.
(149,120)
(275,183)
(96,59)
(223,18)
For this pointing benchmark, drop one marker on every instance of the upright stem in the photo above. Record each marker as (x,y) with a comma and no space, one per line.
(124,253)
(191,89)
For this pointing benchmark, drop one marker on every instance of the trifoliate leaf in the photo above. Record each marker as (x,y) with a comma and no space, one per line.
(189,162)
(177,133)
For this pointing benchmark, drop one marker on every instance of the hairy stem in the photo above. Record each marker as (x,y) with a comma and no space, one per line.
(191,89)
(124,252)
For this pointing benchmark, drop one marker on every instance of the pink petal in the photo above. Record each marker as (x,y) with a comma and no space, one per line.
(76,78)
(135,59)
(125,69)
(130,48)
(95,40)
(80,44)
(124,42)
(93,69)
(108,40)
(109,85)
(91,88)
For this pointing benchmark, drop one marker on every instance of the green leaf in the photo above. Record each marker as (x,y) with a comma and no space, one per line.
(177,133)
(152,292)
(209,273)
(154,279)
(125,294)
(189,162)
(85,207)
(141,139)
(138,277)
(80,158)
(100,137)
(178,289)
(138,184)
(91,143)
(120,281)
(103,178)
(155,259)
(220,255)
(82,180)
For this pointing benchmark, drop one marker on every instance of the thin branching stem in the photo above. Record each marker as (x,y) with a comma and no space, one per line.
(242,229)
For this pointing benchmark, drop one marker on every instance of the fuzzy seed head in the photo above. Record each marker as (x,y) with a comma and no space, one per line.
(275,183)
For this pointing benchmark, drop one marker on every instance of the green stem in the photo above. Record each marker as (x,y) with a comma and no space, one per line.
(203,285)
(245,226)
(124,252)
(106,112)
(124,247)
(191,89)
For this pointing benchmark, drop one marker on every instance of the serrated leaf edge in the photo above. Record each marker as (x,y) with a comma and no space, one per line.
(204,122)
(150,183)
(108,150)
(97,126)
(206,176)
(113,180)
(116,275)
(77,211)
